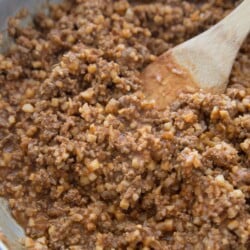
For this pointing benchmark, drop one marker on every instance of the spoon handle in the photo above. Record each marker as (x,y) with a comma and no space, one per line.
(209,57)
(224,39)
(232,30)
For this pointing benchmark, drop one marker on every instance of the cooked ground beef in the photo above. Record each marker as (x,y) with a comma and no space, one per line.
(86,162)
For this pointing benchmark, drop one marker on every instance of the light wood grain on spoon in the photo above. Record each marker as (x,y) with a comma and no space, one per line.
(204,62)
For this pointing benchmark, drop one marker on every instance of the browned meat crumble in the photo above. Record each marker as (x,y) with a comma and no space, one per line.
(87,163)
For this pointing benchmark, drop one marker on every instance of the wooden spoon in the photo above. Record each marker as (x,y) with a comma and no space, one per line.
(204,62)
(9,228)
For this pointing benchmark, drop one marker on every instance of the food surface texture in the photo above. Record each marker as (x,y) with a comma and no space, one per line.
(87,163)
